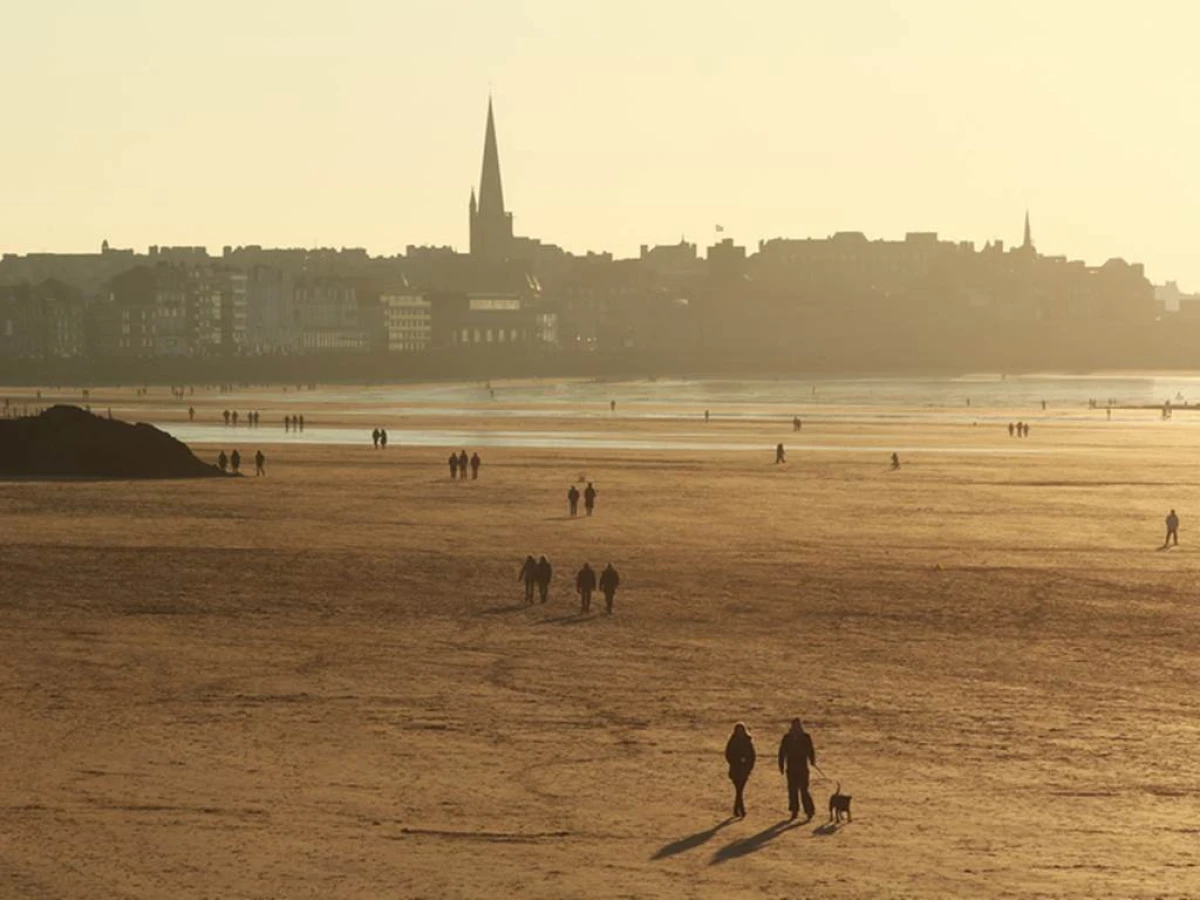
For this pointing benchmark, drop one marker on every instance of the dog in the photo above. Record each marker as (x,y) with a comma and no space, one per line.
(839,803)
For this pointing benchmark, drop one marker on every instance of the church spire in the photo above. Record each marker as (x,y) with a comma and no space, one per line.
(1028,245)
(491,194)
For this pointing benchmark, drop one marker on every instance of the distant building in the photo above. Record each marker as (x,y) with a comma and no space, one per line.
(407,321)
(45,321)
(491,226)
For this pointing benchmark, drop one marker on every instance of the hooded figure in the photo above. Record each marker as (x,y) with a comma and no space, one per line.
(609,579)
(573,500)
(739,753)
(544,574)
(463,462)
(795,753)
(585,583)
(529,574)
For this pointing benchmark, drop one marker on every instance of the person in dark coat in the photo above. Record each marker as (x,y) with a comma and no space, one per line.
(453,466)
(463,462)
(780,457)
(382,438)
(235,461)
(739,753)
(529,574)
(375,438)
(475,461)
(573,500)
(795,753)
(589,498)
(260,463)
(223,461)
(609,579)
(544,574)
(585,583)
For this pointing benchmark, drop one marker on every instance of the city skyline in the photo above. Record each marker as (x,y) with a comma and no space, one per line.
(612,137)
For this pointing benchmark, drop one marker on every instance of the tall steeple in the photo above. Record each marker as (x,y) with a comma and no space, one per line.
(491,225)
(1028,245)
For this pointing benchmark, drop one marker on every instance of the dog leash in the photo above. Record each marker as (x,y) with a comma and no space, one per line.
(822,774)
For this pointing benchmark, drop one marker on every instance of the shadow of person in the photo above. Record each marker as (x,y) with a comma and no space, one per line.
(570,619)
(746,846)
(500,610)
(692,841)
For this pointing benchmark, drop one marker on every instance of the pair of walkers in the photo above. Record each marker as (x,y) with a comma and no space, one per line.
(796,753)
(536,574)
(589,499)
(459,463)
(379,438)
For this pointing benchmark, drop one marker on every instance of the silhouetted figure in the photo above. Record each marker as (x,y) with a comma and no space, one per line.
(223,461)
(375,438)
(1043,406)
(463,462)
(235,462)
(612,405)
(453,466)
(544,574)
(191,414)
(260,463)
(1172,530)
(475,461)
(795,753)
(739,753)
(895,461)
(382,438)
(302,421)
(235,418)
(226,415)
(573,500)
(1025,429)
(795,423)
(287,423)
(1020,429)
(706,415)
(528,574)
(589,499)
(1011,428)
(609,580)
(780,456)
(585,583)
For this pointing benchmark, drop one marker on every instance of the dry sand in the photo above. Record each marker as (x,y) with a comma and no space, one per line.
(324,683)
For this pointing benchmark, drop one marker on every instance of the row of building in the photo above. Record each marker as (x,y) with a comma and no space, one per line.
(516,292)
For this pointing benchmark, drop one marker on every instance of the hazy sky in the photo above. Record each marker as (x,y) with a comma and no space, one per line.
(360,123)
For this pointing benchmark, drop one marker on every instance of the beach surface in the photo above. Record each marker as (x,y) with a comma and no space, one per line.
(325,683)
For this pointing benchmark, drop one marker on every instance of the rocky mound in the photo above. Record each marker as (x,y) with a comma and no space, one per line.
(69,441)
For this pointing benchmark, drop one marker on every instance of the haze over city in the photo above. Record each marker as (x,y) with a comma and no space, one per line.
(289,124)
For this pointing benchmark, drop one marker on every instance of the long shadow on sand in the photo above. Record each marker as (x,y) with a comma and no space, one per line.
(828,828)
(571,619)
(746,846)
(500,610)
(692,841)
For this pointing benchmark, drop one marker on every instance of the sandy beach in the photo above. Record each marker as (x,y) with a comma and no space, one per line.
(324,683)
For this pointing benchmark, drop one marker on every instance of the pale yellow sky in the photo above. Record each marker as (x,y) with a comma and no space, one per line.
(360,123)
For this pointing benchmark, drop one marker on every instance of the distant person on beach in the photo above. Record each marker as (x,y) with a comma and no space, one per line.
(453,466)
(191,414)
(739,753)
(287,423)
(573,500)
(223,461)
(609,580)
(795,753)
(475,462)
(528,575)
(1011,429)
(612,405)
(1172,530)
(463,462)
(589,499)
(585,583)
(375,438)
(780,456)
(706,415)
(302,421)
(1025,429)
(235,462)
(895,461)
(382,438)
(260,463)
(544,574)
(235,418)
(226,415)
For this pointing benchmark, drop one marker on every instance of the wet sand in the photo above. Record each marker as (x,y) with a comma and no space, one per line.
(324,683)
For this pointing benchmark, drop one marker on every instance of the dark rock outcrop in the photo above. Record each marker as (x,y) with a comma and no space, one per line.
(69,441)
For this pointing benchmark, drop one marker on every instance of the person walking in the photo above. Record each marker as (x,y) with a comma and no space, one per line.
(589,499)
(795,754)
(544,574)
(475,462)
(235,461)
(739,753)
(895,461)
(1172,530)
(585,583)
(780,456)
(382,438)
(260,463)
(375,438)
(223,461)
(529,574)
(463,462)
(609,579)
(573,500)
(453,466)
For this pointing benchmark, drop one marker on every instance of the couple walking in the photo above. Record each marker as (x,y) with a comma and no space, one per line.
(795,754)
(586,582)
(589,499)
